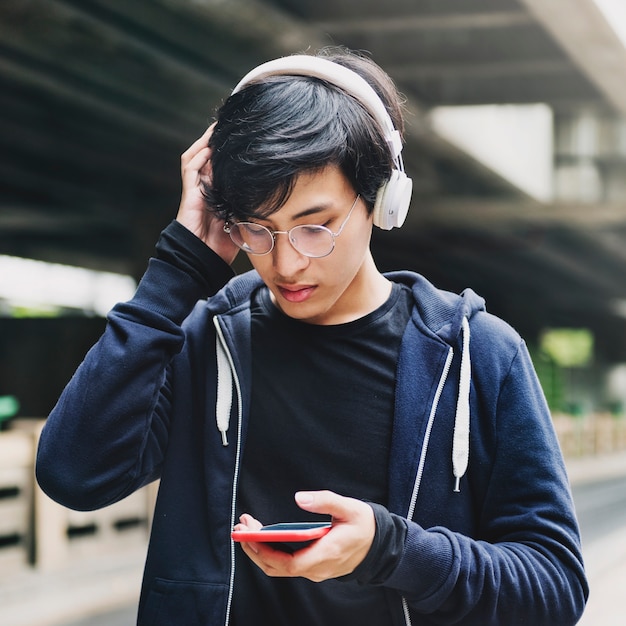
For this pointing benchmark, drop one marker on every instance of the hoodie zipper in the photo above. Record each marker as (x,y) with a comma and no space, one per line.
(233,506)
(416,486)
(422,461)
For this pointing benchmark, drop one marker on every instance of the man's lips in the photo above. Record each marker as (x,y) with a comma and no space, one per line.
(296,293)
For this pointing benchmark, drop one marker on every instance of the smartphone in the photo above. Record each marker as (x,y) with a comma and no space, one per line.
(287,536)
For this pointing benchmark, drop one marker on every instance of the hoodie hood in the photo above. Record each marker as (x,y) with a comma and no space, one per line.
(439,314)
(446,316)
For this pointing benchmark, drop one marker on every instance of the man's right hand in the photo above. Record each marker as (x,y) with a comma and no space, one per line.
(193,212)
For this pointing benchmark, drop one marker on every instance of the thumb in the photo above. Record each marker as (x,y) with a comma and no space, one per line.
(324,502)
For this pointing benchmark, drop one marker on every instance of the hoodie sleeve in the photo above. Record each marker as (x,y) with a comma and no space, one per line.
(524,563)
(106,435)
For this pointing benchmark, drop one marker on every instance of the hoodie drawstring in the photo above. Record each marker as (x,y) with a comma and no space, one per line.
(460,444)
(224,389)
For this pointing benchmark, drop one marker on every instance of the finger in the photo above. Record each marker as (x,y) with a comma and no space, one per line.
(250,522)
(251,549)
(272,562)
(197,162)
(325,502)
(198,144)
(203,140)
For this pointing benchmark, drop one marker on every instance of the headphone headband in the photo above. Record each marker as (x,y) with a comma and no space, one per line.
(338,75)
(394,196)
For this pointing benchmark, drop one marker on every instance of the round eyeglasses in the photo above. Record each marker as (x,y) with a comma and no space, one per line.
(310,240)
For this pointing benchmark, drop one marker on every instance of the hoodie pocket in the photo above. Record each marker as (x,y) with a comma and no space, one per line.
(181,603)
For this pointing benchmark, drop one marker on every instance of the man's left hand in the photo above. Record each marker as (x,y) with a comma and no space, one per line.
(336,554)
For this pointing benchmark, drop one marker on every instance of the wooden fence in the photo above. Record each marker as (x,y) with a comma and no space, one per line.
(37,532)
(590,435)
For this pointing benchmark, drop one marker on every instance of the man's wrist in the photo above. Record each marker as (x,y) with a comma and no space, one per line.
(181,248)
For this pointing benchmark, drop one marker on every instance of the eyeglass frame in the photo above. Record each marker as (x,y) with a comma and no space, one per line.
(273,234)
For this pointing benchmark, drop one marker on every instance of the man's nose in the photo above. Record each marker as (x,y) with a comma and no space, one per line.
(285,258)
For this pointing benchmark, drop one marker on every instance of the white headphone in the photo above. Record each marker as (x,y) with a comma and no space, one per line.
(393,197)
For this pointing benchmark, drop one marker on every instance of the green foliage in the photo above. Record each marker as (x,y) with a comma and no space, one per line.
(559,351)
(9,406)
(568,347)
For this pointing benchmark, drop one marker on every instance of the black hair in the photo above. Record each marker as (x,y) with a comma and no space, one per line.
(271,131)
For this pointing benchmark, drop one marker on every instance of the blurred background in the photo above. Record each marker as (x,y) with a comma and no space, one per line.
(516,143)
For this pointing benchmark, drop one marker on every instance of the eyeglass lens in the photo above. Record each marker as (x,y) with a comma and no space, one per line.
(310,240)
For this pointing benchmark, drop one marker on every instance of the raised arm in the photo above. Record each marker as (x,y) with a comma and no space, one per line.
(106,435)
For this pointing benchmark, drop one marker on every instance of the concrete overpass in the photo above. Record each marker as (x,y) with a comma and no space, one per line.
(99,97)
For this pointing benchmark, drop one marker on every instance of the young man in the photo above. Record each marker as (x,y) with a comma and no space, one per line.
(314,387)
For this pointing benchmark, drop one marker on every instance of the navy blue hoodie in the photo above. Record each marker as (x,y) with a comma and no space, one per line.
(476,474)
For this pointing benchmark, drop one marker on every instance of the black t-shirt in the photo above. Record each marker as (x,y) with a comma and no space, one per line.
(321,418)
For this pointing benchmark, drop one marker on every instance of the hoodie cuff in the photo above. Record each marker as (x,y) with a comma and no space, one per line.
(179,247)
(386,548)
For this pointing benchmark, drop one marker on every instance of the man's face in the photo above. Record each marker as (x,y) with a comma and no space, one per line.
(333,289)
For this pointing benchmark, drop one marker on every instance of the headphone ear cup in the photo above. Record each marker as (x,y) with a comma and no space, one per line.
(392,201)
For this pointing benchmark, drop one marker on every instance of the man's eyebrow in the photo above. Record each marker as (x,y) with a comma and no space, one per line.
(314,210)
